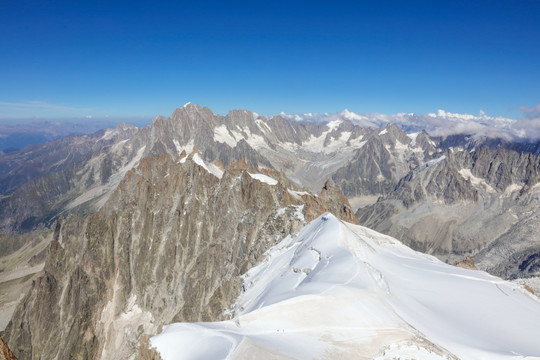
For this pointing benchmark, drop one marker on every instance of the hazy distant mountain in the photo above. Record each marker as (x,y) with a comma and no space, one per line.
(17,135)
(42,181)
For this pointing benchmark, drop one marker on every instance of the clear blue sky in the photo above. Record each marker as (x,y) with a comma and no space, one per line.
(75,58)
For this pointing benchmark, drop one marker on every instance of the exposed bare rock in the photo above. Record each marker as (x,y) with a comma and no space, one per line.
(468,263)
(483,204)
(331,195)
(146,351)
(79,173)
(383,160)
(22,166)
(169,245)
(22,257)
(5,353)
(287,131)
(41,181)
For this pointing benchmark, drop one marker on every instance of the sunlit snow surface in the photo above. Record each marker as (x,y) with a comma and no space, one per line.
(264,178)
(338,290)
(211,168)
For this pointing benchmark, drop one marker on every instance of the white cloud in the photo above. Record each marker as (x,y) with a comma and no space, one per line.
(529,125)
(443,123)
(351,115)
(300,117)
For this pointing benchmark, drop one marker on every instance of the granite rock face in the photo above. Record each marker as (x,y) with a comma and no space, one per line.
(385,158)
(22,257)
(143,234)
(78,173)
(168,245)
(5,353)
(482,204)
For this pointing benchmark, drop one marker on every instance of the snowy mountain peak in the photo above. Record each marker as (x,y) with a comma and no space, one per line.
(340,290)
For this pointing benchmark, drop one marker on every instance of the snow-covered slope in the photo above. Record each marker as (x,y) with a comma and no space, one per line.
(338,290)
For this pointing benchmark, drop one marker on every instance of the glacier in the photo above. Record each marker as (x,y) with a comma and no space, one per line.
(338,290)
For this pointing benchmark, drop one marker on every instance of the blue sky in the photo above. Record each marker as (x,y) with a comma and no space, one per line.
(140,59)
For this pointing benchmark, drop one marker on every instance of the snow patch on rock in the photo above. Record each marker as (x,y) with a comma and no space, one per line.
(467,175)
(222,135)
(211,168)
(413,137)
(264,178)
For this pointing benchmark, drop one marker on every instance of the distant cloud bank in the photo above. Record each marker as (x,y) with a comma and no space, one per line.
(443,123)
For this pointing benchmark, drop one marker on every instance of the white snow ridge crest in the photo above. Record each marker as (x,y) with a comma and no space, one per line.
(338,290)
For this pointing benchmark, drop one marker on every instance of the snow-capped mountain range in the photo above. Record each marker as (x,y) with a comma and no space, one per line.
(376,168)
(114,234)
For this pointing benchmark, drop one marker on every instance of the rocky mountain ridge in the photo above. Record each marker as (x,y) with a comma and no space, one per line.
(157,251)
(136,223)
(308,154)
(481,203)
(364,163)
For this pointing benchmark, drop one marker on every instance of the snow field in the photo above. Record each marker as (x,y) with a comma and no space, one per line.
(338,290)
